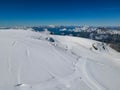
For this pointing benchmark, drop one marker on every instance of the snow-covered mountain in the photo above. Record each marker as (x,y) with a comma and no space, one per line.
(39,61)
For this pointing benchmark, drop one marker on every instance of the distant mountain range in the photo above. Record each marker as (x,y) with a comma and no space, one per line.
(108,34)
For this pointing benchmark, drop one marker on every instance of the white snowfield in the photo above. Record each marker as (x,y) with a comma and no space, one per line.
(39,61)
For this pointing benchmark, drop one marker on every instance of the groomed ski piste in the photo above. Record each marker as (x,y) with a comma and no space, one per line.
(39,61)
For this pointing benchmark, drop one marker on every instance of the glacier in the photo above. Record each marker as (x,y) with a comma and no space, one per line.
(39,61)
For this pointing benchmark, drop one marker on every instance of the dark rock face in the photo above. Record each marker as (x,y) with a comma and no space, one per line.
(115,46)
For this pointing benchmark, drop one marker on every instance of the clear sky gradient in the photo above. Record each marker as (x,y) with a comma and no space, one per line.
(59,12)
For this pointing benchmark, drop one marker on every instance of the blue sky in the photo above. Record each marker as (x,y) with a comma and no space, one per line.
(59,12)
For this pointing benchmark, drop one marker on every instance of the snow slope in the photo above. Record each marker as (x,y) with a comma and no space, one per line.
(39,61)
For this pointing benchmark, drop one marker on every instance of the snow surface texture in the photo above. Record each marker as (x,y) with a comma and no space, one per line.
(39,61)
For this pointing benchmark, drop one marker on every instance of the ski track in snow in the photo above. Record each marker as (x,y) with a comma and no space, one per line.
(27,52)
(13,43)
